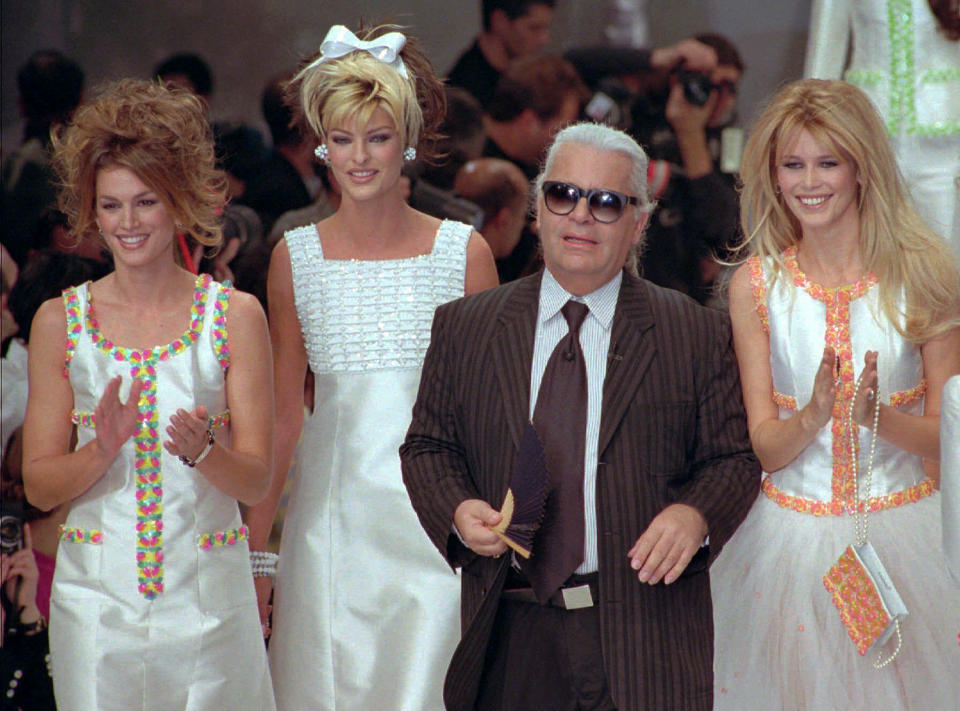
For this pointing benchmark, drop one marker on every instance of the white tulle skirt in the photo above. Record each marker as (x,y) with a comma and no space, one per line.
(779,640)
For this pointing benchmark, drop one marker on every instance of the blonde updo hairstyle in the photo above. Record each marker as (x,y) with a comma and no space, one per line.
(896,245)
(336,91)
(159,133)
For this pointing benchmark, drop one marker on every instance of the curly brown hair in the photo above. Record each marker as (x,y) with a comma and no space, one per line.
(357,84)
(162,135)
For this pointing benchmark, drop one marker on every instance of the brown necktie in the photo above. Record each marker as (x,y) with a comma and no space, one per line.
(560,419)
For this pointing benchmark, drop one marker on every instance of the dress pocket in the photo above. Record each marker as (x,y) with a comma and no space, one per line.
(78,572)
(223,566)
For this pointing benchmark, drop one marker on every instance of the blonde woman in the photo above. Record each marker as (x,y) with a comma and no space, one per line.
(844,281)
(365,612)
(152,604)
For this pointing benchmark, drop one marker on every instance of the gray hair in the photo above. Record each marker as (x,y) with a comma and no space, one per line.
(604,138)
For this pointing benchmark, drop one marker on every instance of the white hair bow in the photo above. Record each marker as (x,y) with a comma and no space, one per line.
(340,42)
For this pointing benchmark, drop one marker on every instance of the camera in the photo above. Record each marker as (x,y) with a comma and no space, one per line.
(11,527)
(696,86)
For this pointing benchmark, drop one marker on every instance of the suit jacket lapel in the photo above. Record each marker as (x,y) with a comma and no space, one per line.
(512,353)
(631,352)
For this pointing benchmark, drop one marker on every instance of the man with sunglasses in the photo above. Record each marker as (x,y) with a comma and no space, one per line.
(649,466)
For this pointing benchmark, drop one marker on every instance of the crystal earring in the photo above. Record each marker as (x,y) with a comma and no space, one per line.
(410,153)
(322,153)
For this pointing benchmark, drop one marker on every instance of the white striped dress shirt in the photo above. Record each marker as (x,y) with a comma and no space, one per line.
(595,342)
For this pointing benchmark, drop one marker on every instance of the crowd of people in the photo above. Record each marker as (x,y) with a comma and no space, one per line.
(511,388)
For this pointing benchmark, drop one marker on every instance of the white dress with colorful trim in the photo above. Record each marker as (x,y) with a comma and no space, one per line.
(779,640)
(153,606)
(366,612)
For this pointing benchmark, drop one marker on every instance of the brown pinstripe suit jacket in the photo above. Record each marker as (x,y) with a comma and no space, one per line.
(672,430)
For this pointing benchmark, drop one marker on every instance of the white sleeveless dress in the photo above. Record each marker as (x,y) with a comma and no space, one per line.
(779,640)
(153,606)
(366,612)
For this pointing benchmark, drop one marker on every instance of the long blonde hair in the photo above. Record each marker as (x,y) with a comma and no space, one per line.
(896,245)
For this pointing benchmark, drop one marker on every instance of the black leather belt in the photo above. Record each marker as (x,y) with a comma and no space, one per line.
(577,591)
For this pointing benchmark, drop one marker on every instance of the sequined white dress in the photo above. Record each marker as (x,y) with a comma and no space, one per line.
(366,614)
(779,640)
(153,607)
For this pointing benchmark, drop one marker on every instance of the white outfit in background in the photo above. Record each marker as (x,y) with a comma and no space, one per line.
(366,614)
(950,472)
(779,640)
(911,71)
(153,606)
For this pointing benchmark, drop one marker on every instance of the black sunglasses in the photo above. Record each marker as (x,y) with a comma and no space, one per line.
(605,205)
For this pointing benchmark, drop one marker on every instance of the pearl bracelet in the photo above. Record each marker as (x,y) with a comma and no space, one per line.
(203,453)
(264,564)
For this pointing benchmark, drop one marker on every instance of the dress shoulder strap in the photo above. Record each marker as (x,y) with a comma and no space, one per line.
(219,294)
(758,283)
(74,302)
(452,238)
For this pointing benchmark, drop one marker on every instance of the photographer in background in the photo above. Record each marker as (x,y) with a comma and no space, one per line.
(682,116)
(25,681)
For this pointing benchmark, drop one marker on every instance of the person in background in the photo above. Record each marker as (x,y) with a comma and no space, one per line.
(501,190)
(240,150)
(512,29)
(846,324)
(153,572)
(25,648)
(533,100)
(680,106)
(287,179)
(364,613)
(50,88)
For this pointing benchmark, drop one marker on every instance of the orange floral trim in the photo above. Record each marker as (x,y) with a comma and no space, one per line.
(787,402)
(839,508)
(837,302)
(857,599)
(759,286)
(907,396)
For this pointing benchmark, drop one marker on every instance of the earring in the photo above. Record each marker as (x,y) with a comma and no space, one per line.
(409,153)
(322,153)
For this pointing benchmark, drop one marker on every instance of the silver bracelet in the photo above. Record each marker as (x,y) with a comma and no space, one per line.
(203,453)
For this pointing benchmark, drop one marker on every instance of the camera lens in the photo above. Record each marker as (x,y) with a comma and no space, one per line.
(696,88)
(11,534)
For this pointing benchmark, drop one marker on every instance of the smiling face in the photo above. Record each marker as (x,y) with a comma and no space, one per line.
(582,253)
(819,186)
(138,227)
(366,159)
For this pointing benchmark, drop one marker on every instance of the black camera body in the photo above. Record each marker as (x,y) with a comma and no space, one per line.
(696,86)
(11,527)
